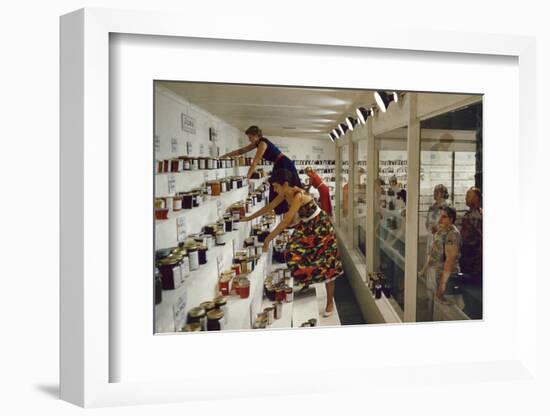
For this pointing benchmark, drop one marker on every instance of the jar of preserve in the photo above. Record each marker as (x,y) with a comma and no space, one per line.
(215,322)
(161,214)
(228,224)
(289,294)
(170,271)
(184,265)
(187,200)
(236,224)
(208,240)
(280,294)
(193,253)
(215,188)
(270,313)
(221,304)
(219,237)
(234,183)
(186,163)
(203,259)
(223,186)
(202,163)
(160,203)
(177,203)
(193,327)
(197,314)
(269,292)
(236,268)
(224,283)
(208,305)
(166,165)
(244,287)
(174,165)
(159,166)
(210,163)
(158,287)
(196,198)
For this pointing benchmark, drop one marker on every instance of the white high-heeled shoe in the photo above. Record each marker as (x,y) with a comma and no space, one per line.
(328,314)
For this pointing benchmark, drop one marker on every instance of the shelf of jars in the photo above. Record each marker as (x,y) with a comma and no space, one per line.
(222,273)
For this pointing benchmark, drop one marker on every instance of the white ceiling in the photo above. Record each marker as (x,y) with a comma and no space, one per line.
(279,111)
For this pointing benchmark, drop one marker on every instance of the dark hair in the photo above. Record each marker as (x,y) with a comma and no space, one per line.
(451,212)
(254,131)
(403,195)
(443,189)
(280,176)
(476,191)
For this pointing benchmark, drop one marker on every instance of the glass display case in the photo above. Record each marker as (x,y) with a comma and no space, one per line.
(360,196)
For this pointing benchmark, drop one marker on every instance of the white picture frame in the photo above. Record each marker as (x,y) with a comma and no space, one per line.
(86,333)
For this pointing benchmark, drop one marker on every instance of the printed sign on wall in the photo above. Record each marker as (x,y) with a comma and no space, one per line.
(174,145)
(157,143)
(213,134)
(171,184)
(317,149)
(188,124)
(181,228)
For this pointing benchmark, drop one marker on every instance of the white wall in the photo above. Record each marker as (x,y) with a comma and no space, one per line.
(300,149)
(168,110)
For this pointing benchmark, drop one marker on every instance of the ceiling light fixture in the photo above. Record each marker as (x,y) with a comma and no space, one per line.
(363,114)
(343,128)
(383,99)
(352,122)
(332,137)
(336,133)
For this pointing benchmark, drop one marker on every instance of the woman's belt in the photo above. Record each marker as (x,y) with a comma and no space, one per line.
(279,157)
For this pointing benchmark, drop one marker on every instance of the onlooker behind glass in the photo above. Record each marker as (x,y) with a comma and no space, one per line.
(432,218)
(443,261)
(471,256)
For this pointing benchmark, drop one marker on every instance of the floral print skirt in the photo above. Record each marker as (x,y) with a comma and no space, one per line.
(313,252)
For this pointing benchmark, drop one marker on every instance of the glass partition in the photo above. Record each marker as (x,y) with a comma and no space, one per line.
(390,203)
(450,217)
(360,196)
(344,189)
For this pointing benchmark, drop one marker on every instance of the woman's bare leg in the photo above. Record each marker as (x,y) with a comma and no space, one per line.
(330,296)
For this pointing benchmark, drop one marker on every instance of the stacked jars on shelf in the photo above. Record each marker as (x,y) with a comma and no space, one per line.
(277,289)
(190,163)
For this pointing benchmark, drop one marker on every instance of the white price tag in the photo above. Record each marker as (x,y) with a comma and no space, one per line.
(219,262)
(181,228)
(174,147)
(219,207)
(180,312)
(171,184)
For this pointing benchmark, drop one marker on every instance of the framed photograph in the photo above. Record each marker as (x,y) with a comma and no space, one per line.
(118,149)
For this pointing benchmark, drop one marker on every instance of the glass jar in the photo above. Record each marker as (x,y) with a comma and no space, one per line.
(219,237)
(221,304)
(197,314)
(203,250)
(208,305)
(289,294)
(224,283)
(187,200)
(214,322)
(161,214)
(160,203)
(215,188)
(228,223)
(278,310)
(174,165)
(244,287)
(194,163)
(158,287)
(193,253)
(169,268)
(280,294)
(166,165)
(186,163)
(202,163)
(192,327)
(223,186)
(210,163)
(177,202)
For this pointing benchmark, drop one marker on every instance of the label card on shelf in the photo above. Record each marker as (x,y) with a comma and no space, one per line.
(171,184)
(174,145)
(179,312)
(219,207)
(219,262)
(181,228)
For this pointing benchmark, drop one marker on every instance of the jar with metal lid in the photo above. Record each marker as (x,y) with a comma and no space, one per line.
(270,311)
(214,322)
(192,327)
(280,294)
(160,203)
(203,250)
(210,163)
(208,240)
(194,163)
(207,305)
(171,273)
(187,200)
(244,287)
(174,165)
(158,287)
(196,198)
(228,223)
(211,229)
(215,188)
(161,213)
(223,186)
(186,163)
(248,205)
(197,314)
(193,253)
(177,203)
(202,163)
(237,268)
(224,284)
(159,166)
(219,237)
(221,304)
(289,294)
(166,165)
(269,291)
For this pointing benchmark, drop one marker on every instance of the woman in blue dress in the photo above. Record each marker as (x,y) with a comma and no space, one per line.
(268,151)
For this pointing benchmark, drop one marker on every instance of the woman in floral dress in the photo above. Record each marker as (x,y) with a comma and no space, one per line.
(313,252)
